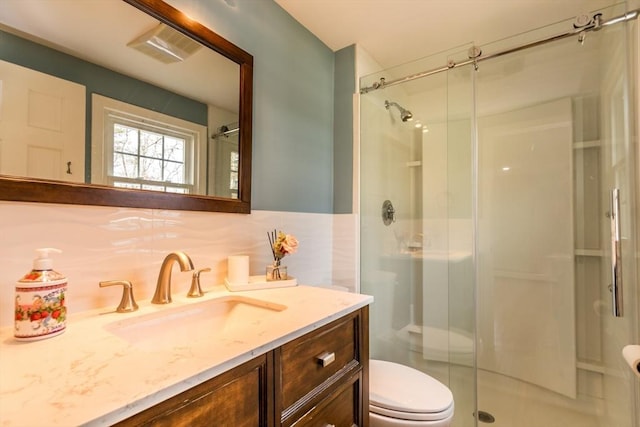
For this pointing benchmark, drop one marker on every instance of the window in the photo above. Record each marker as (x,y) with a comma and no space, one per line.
(146,150)
(150,160)
(234,162)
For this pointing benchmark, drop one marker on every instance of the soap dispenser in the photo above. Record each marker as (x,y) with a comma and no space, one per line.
(41,311)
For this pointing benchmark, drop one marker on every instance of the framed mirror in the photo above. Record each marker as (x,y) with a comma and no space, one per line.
(149,110)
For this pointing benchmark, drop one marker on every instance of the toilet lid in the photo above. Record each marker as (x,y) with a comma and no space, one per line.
(403,392)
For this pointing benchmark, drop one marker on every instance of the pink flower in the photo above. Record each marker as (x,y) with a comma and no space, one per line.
(289,244)
(282,244)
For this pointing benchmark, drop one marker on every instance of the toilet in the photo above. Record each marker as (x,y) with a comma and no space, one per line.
(403,396)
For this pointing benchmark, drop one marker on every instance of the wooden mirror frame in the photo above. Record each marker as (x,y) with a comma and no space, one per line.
(35,190)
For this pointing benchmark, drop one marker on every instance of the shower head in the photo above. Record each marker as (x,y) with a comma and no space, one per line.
(405,115)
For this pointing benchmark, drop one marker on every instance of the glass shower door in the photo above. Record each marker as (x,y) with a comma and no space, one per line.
(553,141)
(423,167)
(491,272)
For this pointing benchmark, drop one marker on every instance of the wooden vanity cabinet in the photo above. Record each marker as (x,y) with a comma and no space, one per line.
(317,380)
(239,397)
(322,377)
(341,407)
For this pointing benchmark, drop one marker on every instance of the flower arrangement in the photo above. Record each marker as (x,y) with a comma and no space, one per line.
(282,244)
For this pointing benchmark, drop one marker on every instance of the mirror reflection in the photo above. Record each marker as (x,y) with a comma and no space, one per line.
(115,99)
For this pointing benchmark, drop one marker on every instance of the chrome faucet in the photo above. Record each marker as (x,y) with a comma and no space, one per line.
(163,287)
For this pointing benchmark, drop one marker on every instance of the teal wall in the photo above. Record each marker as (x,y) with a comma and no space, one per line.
(344,88)
(293,106)
(99,80)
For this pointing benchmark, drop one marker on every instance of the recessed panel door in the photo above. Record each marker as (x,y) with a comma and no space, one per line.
(42,125)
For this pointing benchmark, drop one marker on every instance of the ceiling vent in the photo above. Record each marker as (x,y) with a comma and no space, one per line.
(165,44)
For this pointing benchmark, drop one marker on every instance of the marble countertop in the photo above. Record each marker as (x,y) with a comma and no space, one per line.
(91,376)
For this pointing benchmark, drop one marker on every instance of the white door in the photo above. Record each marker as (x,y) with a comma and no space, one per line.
(42,125)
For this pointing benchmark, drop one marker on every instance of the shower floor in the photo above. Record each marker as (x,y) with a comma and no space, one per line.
(513,403)
(517,403)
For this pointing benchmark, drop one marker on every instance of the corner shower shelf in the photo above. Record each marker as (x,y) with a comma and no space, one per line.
(414,164)
(589,252)
(580,145)
(590,366)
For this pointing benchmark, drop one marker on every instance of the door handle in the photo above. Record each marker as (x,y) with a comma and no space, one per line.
(616,255)
(326,358)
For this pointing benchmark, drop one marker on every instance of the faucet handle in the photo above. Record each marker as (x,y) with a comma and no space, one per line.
(127,303)
(196,291)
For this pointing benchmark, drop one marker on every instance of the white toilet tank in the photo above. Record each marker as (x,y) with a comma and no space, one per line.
(403,396)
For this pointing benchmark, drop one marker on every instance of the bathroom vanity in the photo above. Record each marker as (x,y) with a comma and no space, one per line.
(277,357)
(317,379)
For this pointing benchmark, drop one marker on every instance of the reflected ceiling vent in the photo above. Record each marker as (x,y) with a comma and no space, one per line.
(165,44)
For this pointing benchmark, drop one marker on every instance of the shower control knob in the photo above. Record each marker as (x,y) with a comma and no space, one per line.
(388,213)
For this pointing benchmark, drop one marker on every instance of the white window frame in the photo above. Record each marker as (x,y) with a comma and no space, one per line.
(106,112)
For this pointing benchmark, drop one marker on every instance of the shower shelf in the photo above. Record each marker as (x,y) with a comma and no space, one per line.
(414,164)
(589,252)
(580,145)
(590,366)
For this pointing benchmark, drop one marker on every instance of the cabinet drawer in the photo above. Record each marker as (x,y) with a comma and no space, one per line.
(302,369)
(340,409)
(235,398)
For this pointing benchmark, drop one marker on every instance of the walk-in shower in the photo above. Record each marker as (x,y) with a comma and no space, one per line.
(494,276)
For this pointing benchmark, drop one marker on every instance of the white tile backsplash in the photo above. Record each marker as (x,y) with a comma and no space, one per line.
(106,243)
(345,245)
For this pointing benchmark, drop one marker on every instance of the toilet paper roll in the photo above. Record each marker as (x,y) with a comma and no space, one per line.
(238,269)
(631,354)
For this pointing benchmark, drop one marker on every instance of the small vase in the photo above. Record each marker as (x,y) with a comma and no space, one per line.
(276,271)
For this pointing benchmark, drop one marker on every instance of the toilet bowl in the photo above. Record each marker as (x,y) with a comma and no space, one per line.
(403,396)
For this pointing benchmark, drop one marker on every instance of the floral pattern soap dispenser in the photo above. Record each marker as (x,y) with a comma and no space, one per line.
(40,300)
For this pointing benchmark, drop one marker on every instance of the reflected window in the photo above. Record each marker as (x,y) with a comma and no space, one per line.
(145,150)
(234,163)
(151,160)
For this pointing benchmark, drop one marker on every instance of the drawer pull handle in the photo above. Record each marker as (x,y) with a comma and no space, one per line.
(329,425)
(326,358)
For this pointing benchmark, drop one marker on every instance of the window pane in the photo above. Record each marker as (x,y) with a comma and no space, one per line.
(125,165)
(174,172)
(235,160)
(151,169)
(174,149)
(177,190)
(149,158)
(125,139)
(126,185)
(153,187)
(150,144)
(233,181)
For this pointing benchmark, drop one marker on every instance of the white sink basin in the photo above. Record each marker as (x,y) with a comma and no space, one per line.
(220,318)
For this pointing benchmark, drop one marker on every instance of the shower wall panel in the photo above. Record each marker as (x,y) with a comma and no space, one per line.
(526,309)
